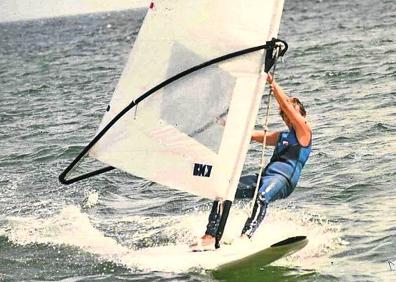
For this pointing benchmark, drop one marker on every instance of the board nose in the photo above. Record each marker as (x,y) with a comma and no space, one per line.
(290,240)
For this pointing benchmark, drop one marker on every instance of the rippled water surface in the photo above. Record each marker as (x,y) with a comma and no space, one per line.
(56,78)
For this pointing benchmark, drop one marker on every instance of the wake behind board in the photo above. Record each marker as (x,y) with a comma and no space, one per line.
(234,259)
(241,269)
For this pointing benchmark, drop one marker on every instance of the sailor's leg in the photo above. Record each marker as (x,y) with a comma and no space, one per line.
(257,216)
(214,219)
(207,241)
(273,188)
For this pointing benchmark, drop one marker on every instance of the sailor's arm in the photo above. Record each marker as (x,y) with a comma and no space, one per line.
(271,139)
(283,100)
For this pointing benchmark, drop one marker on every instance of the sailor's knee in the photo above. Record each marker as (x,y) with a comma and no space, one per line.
(275,189)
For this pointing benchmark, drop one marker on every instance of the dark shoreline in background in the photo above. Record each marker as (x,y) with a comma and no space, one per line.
(95,14)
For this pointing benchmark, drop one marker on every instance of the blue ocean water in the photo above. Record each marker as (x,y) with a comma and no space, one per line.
(57,76)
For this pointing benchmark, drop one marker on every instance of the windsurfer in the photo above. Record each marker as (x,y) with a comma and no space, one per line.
(280,177)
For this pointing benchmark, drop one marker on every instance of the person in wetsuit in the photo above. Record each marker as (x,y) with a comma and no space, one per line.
(280,177)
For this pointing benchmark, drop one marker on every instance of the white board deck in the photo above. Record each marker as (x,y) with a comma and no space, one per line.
(227,258)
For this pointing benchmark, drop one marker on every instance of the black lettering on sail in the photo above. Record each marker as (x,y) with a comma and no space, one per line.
(202,170)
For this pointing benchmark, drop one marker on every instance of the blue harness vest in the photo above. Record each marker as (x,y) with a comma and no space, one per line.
(288,158)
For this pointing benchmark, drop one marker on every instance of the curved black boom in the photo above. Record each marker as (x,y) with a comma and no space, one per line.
(275,48)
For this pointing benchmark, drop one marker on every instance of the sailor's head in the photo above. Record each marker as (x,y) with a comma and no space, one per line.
(298,106)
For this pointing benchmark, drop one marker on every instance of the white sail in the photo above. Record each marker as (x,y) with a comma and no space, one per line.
(177,136)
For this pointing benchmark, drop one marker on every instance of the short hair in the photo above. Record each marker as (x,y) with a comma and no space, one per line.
(296,101)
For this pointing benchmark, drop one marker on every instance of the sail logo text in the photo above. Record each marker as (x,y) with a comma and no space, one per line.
(202,170)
